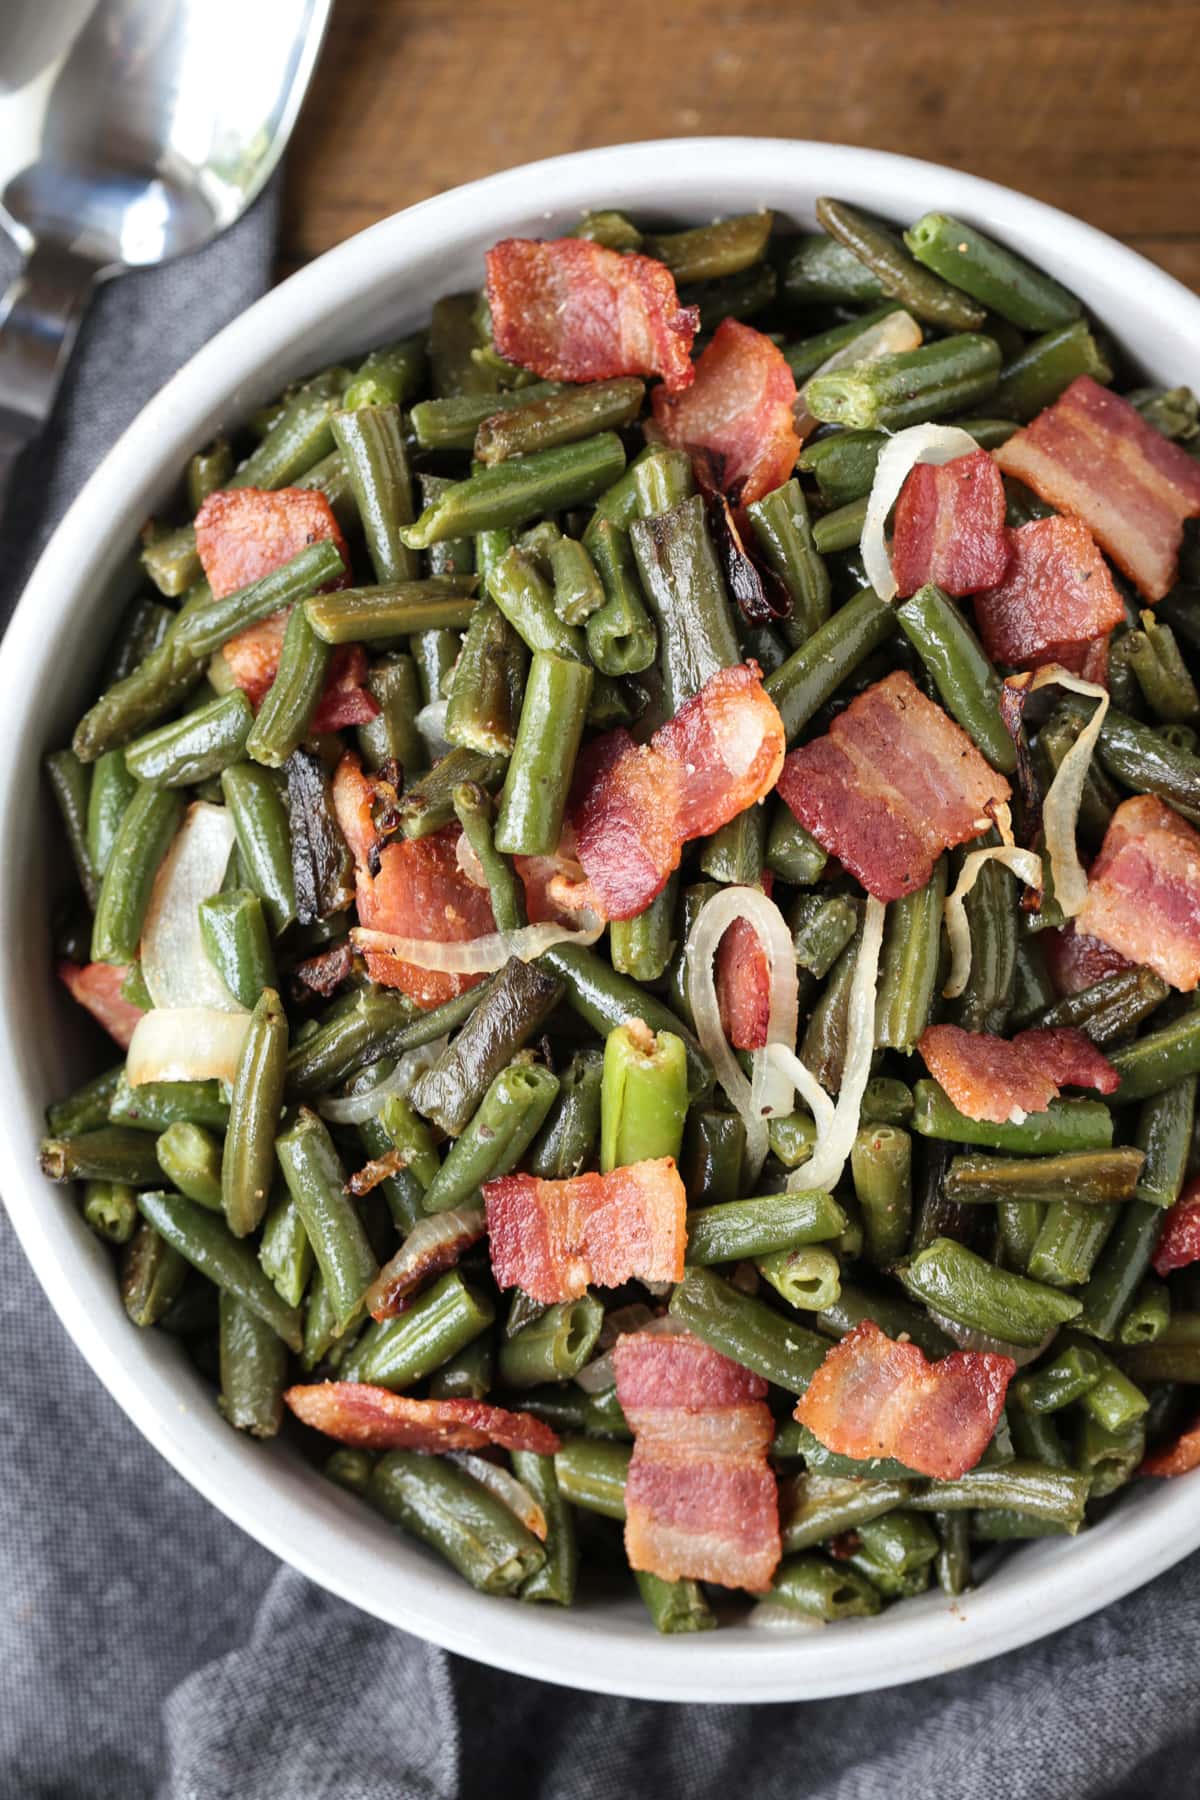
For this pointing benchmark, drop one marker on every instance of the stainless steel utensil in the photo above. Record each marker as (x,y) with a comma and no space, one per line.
(131,131)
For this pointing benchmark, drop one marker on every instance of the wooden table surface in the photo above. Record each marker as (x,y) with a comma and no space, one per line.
(1090,104)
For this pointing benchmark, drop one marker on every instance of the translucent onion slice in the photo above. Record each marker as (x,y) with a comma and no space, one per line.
(481,955)
(431,723)
(467,858)
(838,1122)
(967,1339)
(174,960)
(768,1093)
(887,337)
(1026,864)
(356,1109)
(507,1489)
(917,444)
(773,1615)
(424,1251)
(600,1374)
(1060,809)
(186,1043)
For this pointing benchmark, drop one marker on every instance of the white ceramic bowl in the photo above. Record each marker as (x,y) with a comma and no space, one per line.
(375,287)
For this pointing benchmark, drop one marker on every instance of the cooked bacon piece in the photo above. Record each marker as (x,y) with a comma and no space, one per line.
(253,660)
(738,413)
(700,1499)
(874,1397)
(418,891)
(244,533)
(253,656)
(1092,454)
(1178,1458)
(1143,894)
(893,784)
(572,310)
(375,1418)
(949,526)
(1056,598)
(1179,1244)
(554,1237)
(1075,961)
(1002,1079)
(97,986)
(325,972)
(634,806)
(743,982)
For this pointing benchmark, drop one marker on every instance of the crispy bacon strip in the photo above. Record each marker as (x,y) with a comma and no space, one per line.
(893,783)
(1092,454)
(700,1499)
(97,986)
(635,805)
(949,526)
(1143,895)
(553,1238)
(1075,961)
(738,413)
(572,310)
(743,981)
(412,887)
(874,1397)
(244,533)
(1056,600)
(376,1419)
(324,973)
(1003,1079)
(1179,1244)
(1179,1458)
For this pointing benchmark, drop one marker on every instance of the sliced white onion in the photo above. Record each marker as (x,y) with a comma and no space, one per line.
(1025,864)
(600,1374)
(467,858)
(481,955)
(773,1615)
(186,1043)
(507,1489)
(967,1339)
(887,337)
(767,1094)
(174,960)
(837,1123)
(917,444)
(419,1253)
(1060,809)
(356,1109)
(431,723)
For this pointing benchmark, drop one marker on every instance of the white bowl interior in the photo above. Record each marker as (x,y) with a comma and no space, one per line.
(377,286)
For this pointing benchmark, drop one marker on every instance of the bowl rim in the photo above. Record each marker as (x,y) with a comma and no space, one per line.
(1051,1589)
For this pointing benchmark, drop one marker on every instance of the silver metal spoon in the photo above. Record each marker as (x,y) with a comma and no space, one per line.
(131,131)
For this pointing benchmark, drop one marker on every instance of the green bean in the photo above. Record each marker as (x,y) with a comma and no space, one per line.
(349,1469)
(842,529)
(1158,1060)
(1099,1177)
(469,1375)
(674,1606)
(112,788)
(793,853)
(455,1515)
(398,609)
(1057,1495)
(967,1288)
(208,470)
(745,1329)
(554,1346)
(233,926)
(1164,1134)
(909,386)
(144,626)
(209,1246)
(610,228)
(489,682)
(158,685)
(812,675)
(662,480)
(389,376)
(152,1274)
(153,1105)
(621,638)
(142,840)
(1112,1007)
(1065,1125)
(708,252)
(553,713)
(808,1278)
(1109,1457)
(901,1542)
(264,840)
(909,964)
(578,589)
(1058,1383)
(735,854)
(287,710)
(818,270)
(881,1163)
(823,1046)
(1038,375)
(456,330)
(190,1158)
(997,277)
(604,999)
(748,1228)
(882,252)
(110,1210)
(567,1141)
(1173,411)
(784,535)
(713,1154)
(451,423)
(191,749)
(454,555)
(428,804)
(284,1250)
(559,418)
(642,947)
(508,1118)
(1113,1400)
(87,1108)
(1163,676)
(442,1320)
(392,736)
(317,1183)
(513,1010)
(1168,1359)
(1120,1269)
(203,629)
(966,681)
(592,1475)
(643,1096)
(524,488)
(821,1508)
(807,355)
(248,1166)
(824,1590)
(887,1101)
(371,440)
(686,591)
(555,1580)
(1148,1315)
(253,1370)
(72,784)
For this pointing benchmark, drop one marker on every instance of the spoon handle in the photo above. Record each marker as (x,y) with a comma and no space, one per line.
(39,316)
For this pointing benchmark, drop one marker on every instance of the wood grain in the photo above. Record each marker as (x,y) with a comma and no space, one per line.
(1089,105)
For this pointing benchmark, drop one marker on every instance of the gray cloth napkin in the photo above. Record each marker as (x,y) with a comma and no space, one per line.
(148,1648)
